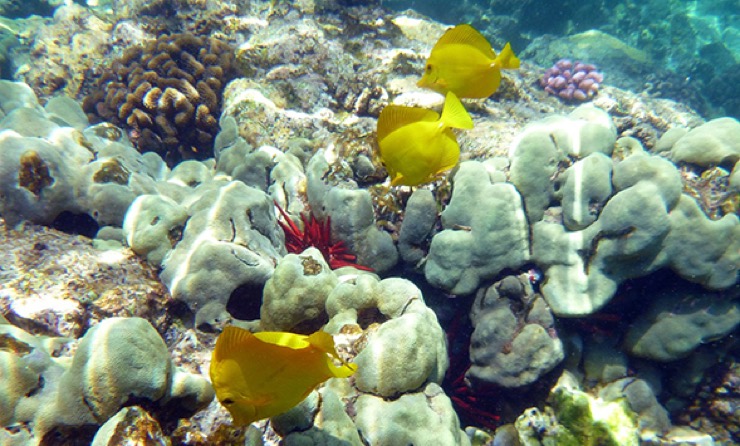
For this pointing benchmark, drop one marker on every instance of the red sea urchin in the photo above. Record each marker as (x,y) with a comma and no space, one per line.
(316,234)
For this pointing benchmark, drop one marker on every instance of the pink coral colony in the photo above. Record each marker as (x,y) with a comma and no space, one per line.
(572,81)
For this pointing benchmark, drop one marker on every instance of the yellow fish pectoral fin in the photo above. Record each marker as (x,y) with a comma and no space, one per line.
(246,411)
(507,60)
(465,34)
(450,153)
(454,113)
(393,117)
(398,180)
(482,85)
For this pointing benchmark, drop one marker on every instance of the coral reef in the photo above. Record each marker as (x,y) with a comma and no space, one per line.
(573,81)
(671,329)
(591,244)
(117,360)
(475,246)
(53,163)
(398,347)
(624,412)
(713,143)
(167,94)
(536,240)
(514,341)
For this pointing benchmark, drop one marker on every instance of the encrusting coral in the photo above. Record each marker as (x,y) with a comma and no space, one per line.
(167,94)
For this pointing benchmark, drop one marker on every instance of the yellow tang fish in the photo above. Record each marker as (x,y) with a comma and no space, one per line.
(417,144)
(463,62)
(261,375)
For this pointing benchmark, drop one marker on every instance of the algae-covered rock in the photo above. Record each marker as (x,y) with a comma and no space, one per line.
(713,143)
(575,418)
(297,291)
(409,334)
(351,213)
(623,412)
(674,325)
(129,423)
(231,240)
(485,231)
(645,225)
(651,418)
(593,422)
(510,347)
(117,360)
(542,146)
(419,418)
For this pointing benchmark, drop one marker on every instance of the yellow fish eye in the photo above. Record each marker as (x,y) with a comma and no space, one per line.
(227,401)
(428,68)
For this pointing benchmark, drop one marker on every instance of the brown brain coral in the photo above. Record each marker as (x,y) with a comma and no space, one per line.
(167,94)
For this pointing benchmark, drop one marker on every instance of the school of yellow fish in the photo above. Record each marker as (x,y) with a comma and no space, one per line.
(417,145)
(260,375)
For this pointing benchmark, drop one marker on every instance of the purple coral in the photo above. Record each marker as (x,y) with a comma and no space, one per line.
(572,81)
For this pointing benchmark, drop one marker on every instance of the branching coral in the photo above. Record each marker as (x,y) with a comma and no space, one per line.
(167,94)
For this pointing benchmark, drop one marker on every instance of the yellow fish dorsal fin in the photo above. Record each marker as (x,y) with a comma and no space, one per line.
(454,113)
(393,117)
(506,58)
(465,34)
(282,339)
(325,342)
(231,340)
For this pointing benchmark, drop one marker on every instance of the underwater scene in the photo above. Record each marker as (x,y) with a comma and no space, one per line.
(369,223)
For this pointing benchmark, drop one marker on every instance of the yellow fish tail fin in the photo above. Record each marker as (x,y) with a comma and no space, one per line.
(325,342)
(451,153)
(506,59)
(454,113)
